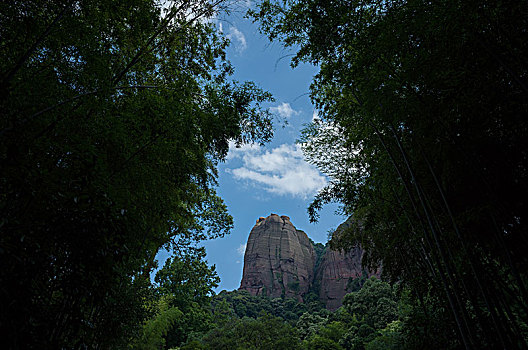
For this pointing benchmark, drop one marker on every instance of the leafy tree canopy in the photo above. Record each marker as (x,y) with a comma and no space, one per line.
(422,130)
(114,116)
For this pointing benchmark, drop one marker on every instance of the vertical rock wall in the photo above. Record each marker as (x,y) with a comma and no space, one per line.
(338,270)
(280,262)
(279,259)
(335,274)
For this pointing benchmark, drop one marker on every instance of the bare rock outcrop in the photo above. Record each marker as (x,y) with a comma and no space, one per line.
(335,275)
(279,259)
(338,270)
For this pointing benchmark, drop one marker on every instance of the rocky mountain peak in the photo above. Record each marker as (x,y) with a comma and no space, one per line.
(280,261)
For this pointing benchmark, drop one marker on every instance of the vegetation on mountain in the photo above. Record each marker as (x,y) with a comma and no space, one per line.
(374,317)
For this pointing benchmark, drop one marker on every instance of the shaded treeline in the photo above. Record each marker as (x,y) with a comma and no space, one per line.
(114,116)
(423,130)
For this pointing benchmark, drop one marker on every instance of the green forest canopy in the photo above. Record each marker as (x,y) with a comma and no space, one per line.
(423,132)
(115,114)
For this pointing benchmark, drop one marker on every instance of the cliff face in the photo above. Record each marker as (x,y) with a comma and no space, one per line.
(335,274)
(339,272)
(279,259)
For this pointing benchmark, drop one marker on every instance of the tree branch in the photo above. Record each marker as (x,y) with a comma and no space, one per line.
(45,110)
(33,47)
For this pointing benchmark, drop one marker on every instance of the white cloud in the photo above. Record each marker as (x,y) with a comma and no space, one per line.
(284,110)
(238,152)
(236,37)
(241,250)
(281,170)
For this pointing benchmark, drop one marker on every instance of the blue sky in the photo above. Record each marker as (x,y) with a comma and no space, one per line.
(257,181)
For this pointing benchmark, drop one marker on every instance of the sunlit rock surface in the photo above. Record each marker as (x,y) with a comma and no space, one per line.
(279,259)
